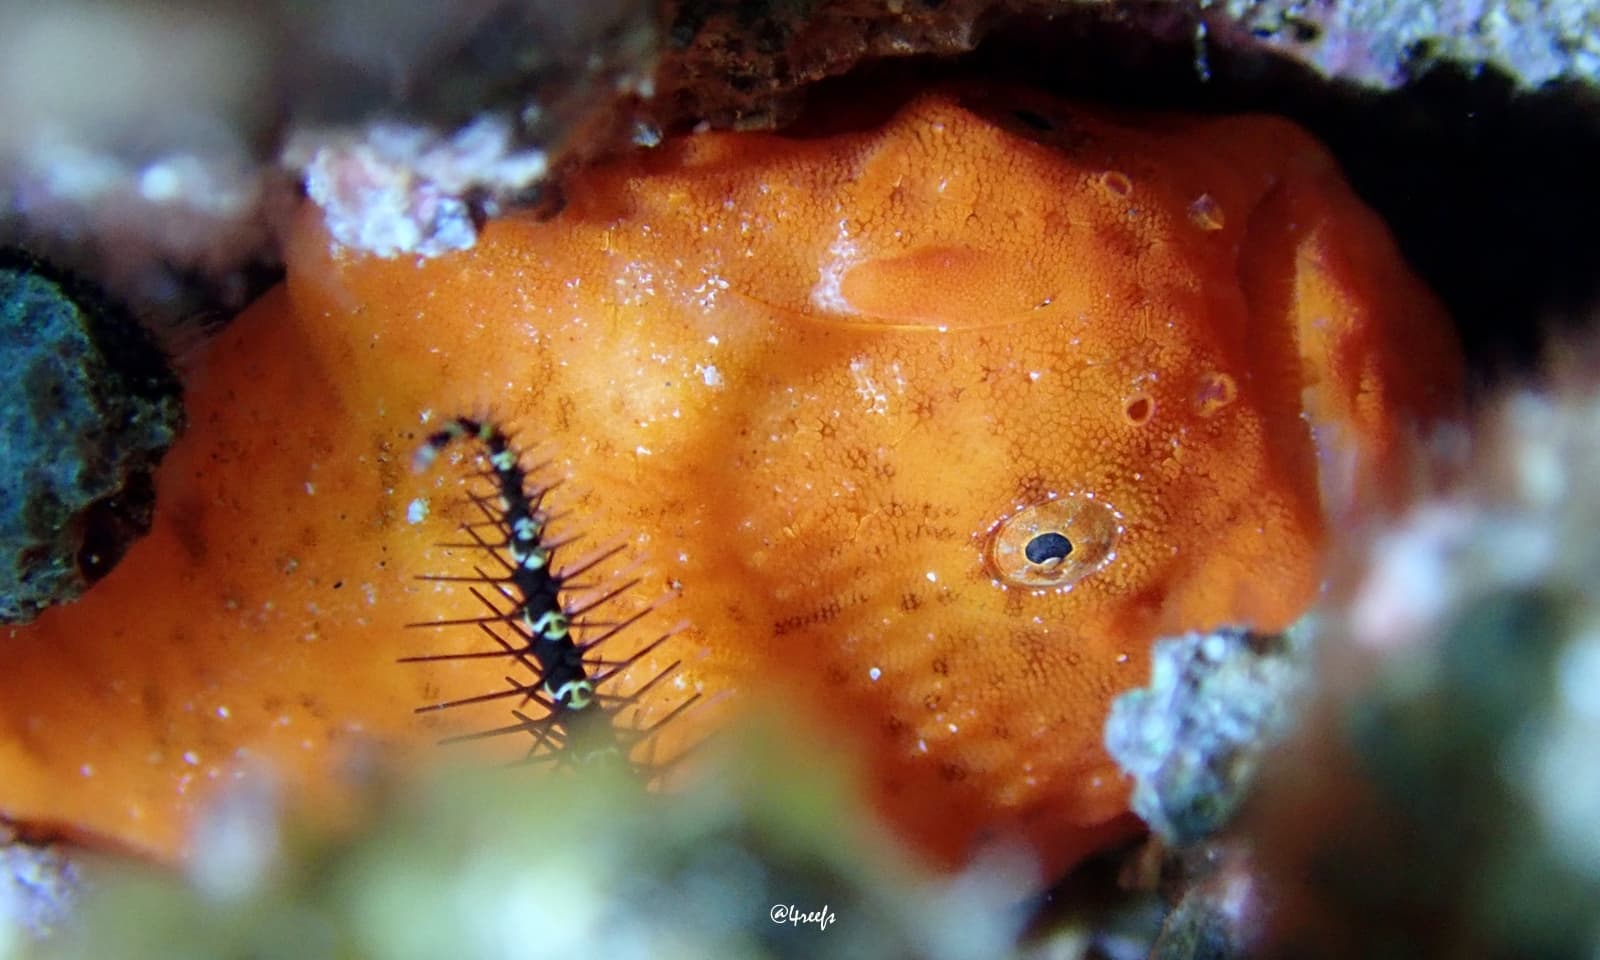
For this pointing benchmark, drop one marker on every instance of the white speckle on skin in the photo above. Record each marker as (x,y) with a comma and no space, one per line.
(874,674)
(705,295)
(866,388)
(842,255)
(417,511)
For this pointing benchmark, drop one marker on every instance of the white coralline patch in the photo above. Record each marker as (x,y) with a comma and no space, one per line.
(394,189)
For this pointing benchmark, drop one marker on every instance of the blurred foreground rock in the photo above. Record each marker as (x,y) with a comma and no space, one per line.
(765,858)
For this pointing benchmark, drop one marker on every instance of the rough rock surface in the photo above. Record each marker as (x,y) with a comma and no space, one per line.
(1194,737)
(1382,43)
(87,407)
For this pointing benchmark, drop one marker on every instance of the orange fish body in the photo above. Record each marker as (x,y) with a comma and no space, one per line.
(925,431)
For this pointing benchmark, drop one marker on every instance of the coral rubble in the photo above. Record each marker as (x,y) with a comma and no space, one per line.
(1194,737)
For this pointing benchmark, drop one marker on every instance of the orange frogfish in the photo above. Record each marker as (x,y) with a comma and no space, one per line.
(924,428)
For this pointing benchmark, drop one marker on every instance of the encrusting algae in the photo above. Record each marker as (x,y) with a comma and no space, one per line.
(928,428)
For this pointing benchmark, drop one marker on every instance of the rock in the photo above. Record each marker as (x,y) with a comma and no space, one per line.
(1194,737)
(87,408)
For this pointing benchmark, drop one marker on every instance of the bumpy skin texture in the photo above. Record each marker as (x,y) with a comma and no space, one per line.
(805,381)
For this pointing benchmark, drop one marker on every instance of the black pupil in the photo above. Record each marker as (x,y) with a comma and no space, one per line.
(1048,547)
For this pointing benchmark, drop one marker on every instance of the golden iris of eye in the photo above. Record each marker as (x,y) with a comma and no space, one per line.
(1054,544)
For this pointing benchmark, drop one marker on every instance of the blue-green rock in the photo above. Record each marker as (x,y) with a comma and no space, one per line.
(88,406)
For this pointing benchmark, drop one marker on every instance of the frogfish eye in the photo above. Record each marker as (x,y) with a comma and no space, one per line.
(1051,547)
(1053,544)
